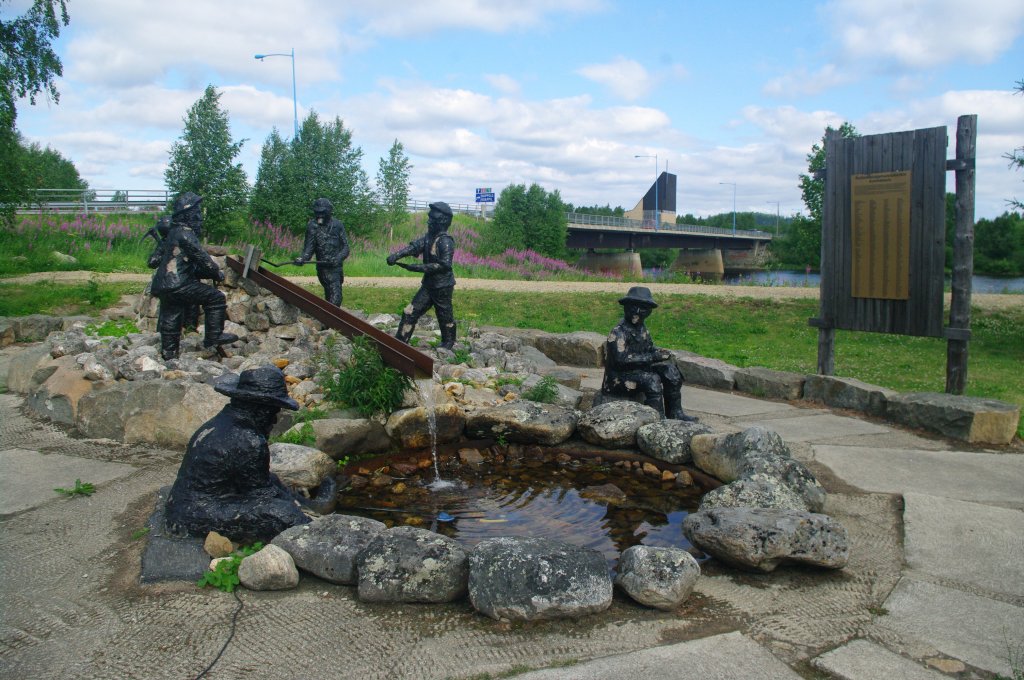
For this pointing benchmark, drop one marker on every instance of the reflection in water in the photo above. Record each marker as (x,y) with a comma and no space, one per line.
(530,498)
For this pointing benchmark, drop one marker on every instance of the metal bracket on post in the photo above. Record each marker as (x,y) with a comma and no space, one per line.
(252,260)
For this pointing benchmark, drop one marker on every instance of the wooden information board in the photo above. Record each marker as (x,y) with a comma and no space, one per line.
(880,235)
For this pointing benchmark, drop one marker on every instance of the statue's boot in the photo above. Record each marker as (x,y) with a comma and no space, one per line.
(674,407)
(448,335)
(405,328)
(170,344)
(214,331)
(656,402)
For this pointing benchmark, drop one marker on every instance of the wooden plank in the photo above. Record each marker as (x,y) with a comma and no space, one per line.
(394,352)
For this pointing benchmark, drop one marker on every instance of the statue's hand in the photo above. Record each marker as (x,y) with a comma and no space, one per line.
(298,262)
(663,355)
(219,276)
(392,260)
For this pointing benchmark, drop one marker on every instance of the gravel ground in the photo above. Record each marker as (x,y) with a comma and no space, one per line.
(987,301)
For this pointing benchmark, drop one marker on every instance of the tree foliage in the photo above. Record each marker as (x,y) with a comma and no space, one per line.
(46,168)
(999,245)
(320,163)
(1016,157)
(28,67)
(393,186)
(202,160)
(529,219)
(812,189)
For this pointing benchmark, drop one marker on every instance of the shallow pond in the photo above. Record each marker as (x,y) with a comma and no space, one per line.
(550,495)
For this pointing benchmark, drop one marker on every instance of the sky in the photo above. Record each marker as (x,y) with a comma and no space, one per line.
(729,96)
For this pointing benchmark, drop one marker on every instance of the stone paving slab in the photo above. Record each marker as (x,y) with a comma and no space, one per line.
(988,543)
(992,478)
(729,405)
(864,660)
(818,427)
(976,630)
(719,657)
(28,478)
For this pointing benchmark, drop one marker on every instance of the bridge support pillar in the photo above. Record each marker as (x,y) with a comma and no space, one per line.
(620,263)
(705,263)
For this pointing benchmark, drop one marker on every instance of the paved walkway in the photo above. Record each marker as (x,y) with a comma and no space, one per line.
(935,586)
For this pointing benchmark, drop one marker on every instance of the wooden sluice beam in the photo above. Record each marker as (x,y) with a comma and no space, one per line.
(397,354)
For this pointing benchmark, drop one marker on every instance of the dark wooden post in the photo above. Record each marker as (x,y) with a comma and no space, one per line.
(963,256)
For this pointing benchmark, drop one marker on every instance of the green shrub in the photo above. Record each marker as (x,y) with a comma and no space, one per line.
(225,575)
(545,391)
(112,328)
(366,383)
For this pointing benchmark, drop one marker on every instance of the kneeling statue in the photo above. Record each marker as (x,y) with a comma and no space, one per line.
(633,365)
(224,483)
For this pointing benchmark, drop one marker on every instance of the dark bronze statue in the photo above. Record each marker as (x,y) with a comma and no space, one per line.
(325,238)
(180,263)
(224,483)
(437,248)
(633,365)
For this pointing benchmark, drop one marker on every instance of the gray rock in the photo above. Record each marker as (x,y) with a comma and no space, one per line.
(761,539)
(63,343)
(765,382)
(300,467)
(725,456)
(564,376)
(93,368)
(35,327)
(527,579)
(657,577)
(579,348)
(57,398)
(22,371)
(847,393)
(757,491)
(613,425)
(327,546)
(971,419)
(269,569)
(411,428)
(525,422)
(698,370)
(669,440)
(280,312)
(7,336)
(343,436)
(490,340)
(790,472)
(64,258)
(406,564)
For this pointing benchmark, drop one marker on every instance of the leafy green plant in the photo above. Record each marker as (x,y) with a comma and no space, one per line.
(545,391)
(139,533)
(461,356)
(508,380)
(224,576)
(113,328)
(80,489)
(303,436)
(366,383)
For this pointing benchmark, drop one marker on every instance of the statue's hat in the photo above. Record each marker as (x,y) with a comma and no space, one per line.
(185,202)
(639,294)
(443,207)
(263,385)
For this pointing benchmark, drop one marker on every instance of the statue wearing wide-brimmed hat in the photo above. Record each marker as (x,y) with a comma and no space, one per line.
(224,483)
(634,366)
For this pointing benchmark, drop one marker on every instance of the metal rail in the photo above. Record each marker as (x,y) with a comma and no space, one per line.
(397,354)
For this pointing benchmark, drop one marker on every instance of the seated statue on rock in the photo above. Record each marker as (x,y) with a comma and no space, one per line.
(224,483)
(634,366)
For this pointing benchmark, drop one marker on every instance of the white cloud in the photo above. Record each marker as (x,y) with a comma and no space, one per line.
(503,83)
(801,82)
(382,18)
(624,77)
(927,33)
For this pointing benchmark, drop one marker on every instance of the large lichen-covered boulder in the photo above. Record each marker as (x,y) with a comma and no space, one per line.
(757,491)
(579,348)
(613,424)
(327,547)
(411,428)
(971,419)
(524,422)
(340,437)
(790,472)
(725,456)
(406,564)
(527,579)
(760,539)
(669,440)
(56,399)
(657,577)
(300,467)
(29,368)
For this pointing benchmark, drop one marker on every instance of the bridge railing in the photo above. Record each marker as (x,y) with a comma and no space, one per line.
(626,224)
(78,201)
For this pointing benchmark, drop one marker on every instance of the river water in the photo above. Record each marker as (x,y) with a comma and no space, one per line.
(798,279)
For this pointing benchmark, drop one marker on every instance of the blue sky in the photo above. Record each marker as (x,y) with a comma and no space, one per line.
(564,94)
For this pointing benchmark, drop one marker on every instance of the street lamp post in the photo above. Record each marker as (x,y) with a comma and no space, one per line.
(295,99)
(776,216)
(657,215)
(733,205)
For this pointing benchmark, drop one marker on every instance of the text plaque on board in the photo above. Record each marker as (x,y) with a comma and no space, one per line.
(880,212)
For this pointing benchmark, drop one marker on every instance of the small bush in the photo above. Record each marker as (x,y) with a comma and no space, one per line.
(225,575)
(545,391)
(112,328)
(366,383)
